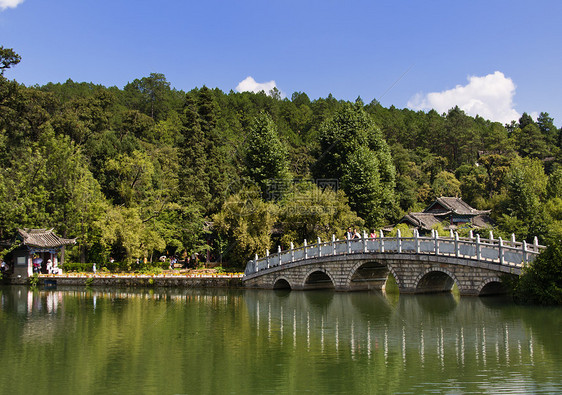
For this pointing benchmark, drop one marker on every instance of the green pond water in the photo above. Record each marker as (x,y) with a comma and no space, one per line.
(210,341)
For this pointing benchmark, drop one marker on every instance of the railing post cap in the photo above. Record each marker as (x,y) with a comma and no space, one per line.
(398,233)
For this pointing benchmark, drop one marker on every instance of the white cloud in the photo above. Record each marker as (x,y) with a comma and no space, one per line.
(9,4)
(490,96)
(250,85)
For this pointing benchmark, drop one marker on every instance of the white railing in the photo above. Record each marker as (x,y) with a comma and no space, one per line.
(508,253)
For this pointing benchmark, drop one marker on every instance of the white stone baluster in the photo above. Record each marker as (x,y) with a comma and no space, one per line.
(436,240)
(305,250)
(381,238)
(267,257)
(319,243)
(524,257)
(279,253)
(491,237)
(364,241)
(513,239)
(333,244)
(417,240)
(536,244)
(292,252)
(398,241)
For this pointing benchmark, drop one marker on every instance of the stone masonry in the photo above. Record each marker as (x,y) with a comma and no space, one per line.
(414,273)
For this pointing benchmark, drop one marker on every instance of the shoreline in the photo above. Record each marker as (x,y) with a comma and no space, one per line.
(180,280)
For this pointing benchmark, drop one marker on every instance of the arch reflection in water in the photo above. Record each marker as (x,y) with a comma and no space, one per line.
(421,329)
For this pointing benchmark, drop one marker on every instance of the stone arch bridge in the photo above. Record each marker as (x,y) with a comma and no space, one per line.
(419,264)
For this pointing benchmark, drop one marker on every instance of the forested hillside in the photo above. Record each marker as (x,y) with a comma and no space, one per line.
(146,169)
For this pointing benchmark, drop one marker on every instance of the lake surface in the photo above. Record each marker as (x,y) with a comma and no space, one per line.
(214,341)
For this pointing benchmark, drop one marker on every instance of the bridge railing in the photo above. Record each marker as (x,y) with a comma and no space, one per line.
(491,250)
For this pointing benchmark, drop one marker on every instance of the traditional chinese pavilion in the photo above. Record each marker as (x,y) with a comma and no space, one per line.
(37,246)
(452,210)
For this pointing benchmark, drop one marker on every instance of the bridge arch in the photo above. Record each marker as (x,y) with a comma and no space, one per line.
(435,279)
(366,275)
(318,278)
(491,286)
(281,282)
(397,278)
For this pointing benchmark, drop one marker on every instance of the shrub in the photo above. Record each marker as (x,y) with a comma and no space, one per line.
(33,280)
(541,281)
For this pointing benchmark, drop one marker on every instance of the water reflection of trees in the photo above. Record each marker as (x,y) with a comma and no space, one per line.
(196,339)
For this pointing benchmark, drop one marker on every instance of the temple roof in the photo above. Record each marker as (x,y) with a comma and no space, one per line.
(445,207)
(421,220)
(456,205)
(43,238)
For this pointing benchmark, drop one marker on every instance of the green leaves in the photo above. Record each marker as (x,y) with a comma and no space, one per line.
(8,58)
(541,282)
(354,152)
(266,156)
(246,222)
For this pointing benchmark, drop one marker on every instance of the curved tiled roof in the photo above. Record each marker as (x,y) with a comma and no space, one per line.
(421,220)
(44,238)
(456,205)
(442,209)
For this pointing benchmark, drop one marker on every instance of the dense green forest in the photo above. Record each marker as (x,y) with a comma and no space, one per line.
(148,170)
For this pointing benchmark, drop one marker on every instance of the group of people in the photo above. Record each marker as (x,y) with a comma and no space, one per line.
(50,268)
(349,235)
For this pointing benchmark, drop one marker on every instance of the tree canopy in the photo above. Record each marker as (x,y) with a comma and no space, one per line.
(145,170)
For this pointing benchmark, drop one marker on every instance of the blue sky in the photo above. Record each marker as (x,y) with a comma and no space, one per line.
(495,58)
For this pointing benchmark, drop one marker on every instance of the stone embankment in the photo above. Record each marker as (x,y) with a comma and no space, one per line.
(132,280)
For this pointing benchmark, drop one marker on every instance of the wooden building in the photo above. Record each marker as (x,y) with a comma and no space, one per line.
(452,210)
(36,247)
